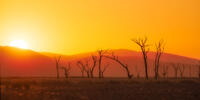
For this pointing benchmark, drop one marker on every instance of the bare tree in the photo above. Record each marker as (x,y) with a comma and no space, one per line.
(104,69)
(144,48)
(0,69)
(159,52)
(165,70)
(175,67)
(199,69)
(57,60)
(66,69)
(125,66)
(87,68)
(94,59)
(81,66)
(190,70)
(100,53)
(181,69)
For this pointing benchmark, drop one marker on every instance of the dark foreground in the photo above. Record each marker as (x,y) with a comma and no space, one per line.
(98,89)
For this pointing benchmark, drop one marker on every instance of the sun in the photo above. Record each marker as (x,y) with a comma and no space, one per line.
(19,44)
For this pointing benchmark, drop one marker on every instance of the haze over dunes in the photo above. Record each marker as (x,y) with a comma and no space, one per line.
(77,26)
(19,62)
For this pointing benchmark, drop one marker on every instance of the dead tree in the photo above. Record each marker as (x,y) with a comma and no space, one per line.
(159,52)
(199,69)
(165,70)
(81,66)
(190,71)
(100,53)
(57,60)
(144,48)
(67,69)
(94,59)
(104,69)
(0,69)
(125,66)
(175,67)
(181,69)
(90,69)
(87,68)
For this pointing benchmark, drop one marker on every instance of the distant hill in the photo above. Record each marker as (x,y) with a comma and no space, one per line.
(17,62)
(20,62)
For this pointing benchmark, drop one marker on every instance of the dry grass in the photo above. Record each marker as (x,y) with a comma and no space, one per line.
(98,89)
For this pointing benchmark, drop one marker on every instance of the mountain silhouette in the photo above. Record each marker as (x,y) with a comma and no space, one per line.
(15,62)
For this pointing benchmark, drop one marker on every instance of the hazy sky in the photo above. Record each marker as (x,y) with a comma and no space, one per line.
(77,26)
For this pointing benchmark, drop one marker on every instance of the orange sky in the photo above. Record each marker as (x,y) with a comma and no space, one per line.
(76,26)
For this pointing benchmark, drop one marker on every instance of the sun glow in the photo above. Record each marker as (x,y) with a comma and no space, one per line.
(19,44)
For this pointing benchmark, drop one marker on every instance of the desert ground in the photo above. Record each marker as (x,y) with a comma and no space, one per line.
(99,89)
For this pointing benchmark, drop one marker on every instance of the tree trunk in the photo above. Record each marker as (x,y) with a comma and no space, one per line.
(57,68)
(146,66)
(128,73)
(100,72)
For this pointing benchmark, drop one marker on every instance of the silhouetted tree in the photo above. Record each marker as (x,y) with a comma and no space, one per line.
(94,59)
(100,53)
(190,70)
(181,69)
(87,68)
(66,69)
(159,52)
(0,69)
(81,66)
(199,69)
(165,70)
(104,69)
(144,48)
(57,60)
(175,67)
(125,66)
